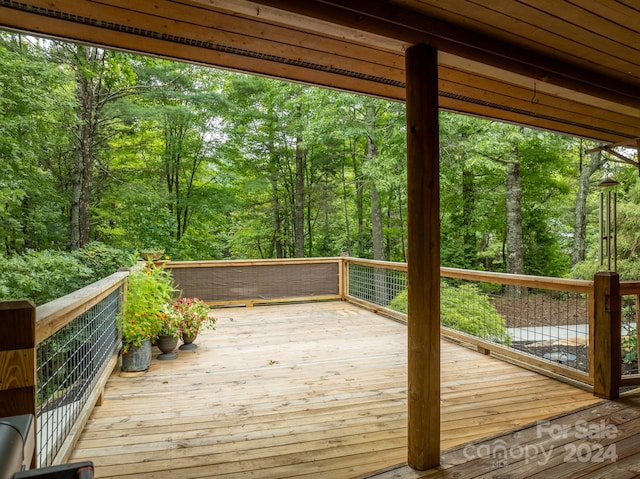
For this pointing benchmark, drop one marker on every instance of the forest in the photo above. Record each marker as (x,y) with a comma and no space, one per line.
(113,153)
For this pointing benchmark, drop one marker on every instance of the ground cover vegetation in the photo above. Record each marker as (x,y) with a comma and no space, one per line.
(120,153)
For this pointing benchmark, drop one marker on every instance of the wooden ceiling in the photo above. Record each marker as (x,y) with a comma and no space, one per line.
(566,65)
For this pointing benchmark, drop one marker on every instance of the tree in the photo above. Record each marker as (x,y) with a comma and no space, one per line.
(578,251)
(101,78)
(33,142)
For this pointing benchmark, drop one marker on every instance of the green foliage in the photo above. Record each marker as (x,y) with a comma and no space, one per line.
(630,338)
(206,164)
(43,276)
(34,102)
(465,309)
(103,259)
(149,291)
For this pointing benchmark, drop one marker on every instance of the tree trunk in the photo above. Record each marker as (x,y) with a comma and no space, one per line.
(515,248)
(357,173)
(376,224)
(298,216)
(580,224)
(370,155)
(85,131)
(469,246)
(277,223)
(380,290)
(345,205)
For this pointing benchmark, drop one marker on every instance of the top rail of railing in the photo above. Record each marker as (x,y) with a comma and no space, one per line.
(540,282)
(247,262)
(56,314)
(629,287)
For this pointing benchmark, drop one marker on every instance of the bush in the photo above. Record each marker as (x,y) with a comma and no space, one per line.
(102,259)
(465,309)
(43,276)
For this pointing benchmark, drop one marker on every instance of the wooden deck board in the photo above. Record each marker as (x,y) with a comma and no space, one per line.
(300,390)
(533,452)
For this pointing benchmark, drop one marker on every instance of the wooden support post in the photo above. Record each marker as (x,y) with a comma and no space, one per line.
(607,349)
(18,360)
(423,272)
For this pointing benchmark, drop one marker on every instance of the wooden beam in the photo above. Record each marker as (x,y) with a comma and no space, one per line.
(607,331)
(629,143)
(423,273)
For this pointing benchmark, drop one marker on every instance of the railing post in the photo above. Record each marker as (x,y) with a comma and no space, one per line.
(607,353)
(18,360)
(342,289)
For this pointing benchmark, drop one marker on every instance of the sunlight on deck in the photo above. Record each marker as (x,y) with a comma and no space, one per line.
(299,390)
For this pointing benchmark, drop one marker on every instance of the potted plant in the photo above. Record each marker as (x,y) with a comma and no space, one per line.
(149,290)
(191,315)
(168,335)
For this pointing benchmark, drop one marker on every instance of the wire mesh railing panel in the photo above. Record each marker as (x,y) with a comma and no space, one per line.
(630,319)
(551,325)
(547,324)
(69,364)
(256,282)
(376,285)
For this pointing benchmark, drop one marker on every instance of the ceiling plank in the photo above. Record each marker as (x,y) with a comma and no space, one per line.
(408,26)
(571,34)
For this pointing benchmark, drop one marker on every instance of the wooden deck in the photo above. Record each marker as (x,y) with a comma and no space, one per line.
(601,441)
(300,390)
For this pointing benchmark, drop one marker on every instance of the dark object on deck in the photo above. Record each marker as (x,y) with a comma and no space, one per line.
(17,448)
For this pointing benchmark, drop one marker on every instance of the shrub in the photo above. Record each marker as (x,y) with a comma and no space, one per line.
(465,309)
(102,259)
(42,276)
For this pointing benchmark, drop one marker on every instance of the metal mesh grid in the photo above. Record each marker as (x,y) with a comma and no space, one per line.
(68,366)
(376,285)
(258,282)
(550,325)
(630,319)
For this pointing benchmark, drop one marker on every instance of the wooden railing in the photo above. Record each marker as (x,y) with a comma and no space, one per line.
(58,366)
(250,282)
(576,288)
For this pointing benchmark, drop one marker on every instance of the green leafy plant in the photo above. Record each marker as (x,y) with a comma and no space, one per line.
(191,314)
(42,276)
(465,309)
(144,315)
(630,339)
(630,346)
(103,259)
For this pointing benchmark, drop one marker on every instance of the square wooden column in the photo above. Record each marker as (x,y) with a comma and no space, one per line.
(606,345)
(423,224)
